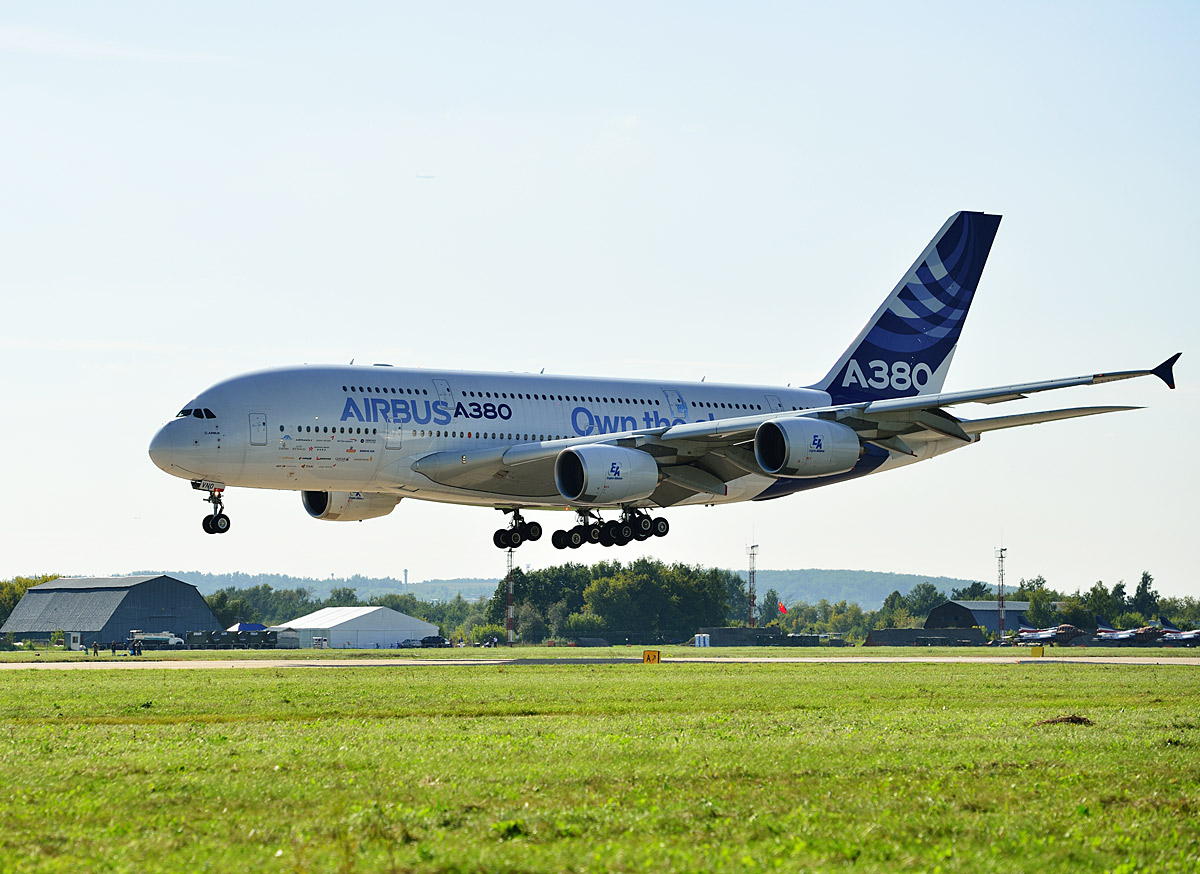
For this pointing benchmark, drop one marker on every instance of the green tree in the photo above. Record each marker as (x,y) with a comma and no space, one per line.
(976,591)
(768,608)
(342,596)
(230,610)
(584,625)
(1145,599)
(1041,609)
(922,598)
(531,626)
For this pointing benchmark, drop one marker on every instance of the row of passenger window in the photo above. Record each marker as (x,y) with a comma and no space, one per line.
(554,397)
(325,429)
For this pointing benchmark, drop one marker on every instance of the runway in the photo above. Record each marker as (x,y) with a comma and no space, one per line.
(135,664)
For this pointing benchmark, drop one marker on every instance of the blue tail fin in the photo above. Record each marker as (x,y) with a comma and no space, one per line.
(1101,625)
(1167,626)
(906,347)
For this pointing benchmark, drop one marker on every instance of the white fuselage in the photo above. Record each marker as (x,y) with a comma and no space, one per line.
(356,428)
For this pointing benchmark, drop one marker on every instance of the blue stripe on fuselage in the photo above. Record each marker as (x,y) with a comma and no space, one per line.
(870,461)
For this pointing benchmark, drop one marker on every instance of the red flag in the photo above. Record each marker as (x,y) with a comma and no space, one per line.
(782,609)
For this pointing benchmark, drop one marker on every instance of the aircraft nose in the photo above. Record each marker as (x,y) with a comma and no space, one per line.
(168,448)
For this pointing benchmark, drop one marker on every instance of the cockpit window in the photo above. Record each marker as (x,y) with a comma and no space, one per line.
(209,414)
(198,413)
(183,413)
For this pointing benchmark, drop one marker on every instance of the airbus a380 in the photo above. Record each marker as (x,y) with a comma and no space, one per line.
(356,440)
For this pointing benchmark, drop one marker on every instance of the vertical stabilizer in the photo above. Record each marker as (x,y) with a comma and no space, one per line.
(906,347)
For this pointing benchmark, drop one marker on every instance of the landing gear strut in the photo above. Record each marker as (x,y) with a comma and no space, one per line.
(517,532)
(216,522)
(633,525)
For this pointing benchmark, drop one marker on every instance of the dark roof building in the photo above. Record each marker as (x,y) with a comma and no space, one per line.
(925,637)
(966,614)
(106,609)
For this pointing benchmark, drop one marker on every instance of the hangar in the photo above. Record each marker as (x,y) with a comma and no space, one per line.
(106,609)
(359,627)
(967,614)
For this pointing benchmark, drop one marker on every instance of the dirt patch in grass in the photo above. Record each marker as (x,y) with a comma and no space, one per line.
(1073,719)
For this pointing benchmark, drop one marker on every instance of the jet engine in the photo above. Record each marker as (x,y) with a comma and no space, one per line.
(348,506)
(802,447)
(605,474)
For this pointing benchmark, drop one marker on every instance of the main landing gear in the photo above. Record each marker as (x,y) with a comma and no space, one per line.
(517,532)
(633,525)
(216,522)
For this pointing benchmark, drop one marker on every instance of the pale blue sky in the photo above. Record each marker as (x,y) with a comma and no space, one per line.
(675,190)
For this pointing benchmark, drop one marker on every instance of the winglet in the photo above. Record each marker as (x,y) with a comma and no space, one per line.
(1164,371)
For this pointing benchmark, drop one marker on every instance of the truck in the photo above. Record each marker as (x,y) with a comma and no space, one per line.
(155,639)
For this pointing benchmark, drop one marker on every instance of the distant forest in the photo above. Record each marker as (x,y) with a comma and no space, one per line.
(867,589)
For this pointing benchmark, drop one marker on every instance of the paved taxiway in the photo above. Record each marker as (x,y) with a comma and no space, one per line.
(225,664)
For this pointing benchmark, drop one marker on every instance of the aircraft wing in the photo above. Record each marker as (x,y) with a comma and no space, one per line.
(704,457)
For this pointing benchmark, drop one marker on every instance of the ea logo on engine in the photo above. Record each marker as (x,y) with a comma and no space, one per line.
(614,472)
(817,444)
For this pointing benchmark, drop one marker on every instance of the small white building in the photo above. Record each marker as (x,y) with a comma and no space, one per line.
(359,627)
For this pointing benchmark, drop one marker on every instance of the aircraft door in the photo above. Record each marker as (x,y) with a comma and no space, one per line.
(258,429)
(774,404)
(443,390)
(676,404)
(392,435)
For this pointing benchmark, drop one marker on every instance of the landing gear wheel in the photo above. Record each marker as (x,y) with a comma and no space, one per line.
(575,537)
(219,524)
(207,523)
(624,533)
(661,527)
(500,538)
(533,531)
(642,525)
(516,536)
(594,532)
(559,539)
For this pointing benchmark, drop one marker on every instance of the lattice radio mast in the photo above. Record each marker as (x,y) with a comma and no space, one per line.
(508,614)
(751,619)
(1000,591)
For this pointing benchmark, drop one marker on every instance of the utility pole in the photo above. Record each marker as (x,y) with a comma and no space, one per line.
(751,619)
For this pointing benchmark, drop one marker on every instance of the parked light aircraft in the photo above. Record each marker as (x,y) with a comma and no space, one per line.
(1171,634)
(1104,631)
(356,440)
(1059,635)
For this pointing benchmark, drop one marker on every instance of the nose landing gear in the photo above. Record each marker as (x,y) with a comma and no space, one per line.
(517,532)
(216,522)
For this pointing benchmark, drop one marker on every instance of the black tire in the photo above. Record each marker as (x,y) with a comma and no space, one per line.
(515,537)
(559,539)
(642,535)
(605,540)
(624,533)
(592,532)
(500,538)
(642,525)
(612,531)
(207,525)
(220,524)
(661,527)
(575,538)
(533,531)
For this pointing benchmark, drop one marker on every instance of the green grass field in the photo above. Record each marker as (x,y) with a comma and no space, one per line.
(674,767)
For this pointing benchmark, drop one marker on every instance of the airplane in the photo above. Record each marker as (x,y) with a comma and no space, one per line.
(1104,631)
(356,440)
(1057,634)
(1171,634)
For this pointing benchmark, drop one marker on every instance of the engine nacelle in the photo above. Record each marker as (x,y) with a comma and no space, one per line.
(605,474)
(348,506)
(801,447)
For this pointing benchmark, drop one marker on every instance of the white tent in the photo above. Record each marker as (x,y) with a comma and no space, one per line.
(360,627)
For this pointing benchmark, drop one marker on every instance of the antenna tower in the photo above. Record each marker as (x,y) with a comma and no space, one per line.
(508,614)
(1000,592)
(751,620)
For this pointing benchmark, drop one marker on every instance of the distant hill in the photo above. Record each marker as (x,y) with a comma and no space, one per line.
(365,587)
(868,589)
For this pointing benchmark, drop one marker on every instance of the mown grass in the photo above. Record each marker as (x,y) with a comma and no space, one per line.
(675,767)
